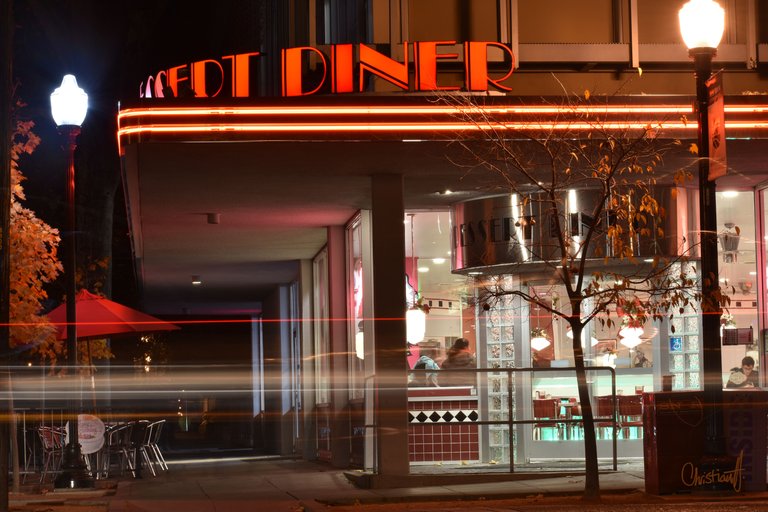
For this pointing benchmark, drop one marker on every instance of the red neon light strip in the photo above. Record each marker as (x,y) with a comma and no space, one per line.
(388,127)
(433,126)
(387,110)
(325,110)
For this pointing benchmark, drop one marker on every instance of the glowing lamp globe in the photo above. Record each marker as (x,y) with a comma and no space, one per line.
(630,336)
(69,103)
(592,340)
(702,23)
(415,325)
(539,343)
(360,345)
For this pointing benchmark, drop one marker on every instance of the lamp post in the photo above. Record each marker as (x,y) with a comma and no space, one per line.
(69,104)
(702,23)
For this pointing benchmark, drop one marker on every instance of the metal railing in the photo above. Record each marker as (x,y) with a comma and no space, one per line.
(510,422)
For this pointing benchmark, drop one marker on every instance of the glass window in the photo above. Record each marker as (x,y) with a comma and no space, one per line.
(762,20)
(555,21)
(321,335)
(356,337)
(453,20)
(737,265)
(341,21)
(429,282)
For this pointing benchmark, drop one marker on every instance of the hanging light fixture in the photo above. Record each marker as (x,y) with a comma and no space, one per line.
(415,317)
(593,341)
(539,340)
(630,336)
(729,242)
(415,325)
(360,345)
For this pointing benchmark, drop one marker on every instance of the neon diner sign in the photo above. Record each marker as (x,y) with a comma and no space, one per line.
(342,68)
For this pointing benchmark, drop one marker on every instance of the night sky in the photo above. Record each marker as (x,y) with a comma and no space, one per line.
(111,47)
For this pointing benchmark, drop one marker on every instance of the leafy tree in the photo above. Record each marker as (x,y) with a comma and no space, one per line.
(603,261)
(34,264)
(34,260)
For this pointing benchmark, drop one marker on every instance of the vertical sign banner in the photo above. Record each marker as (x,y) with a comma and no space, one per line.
(716,117)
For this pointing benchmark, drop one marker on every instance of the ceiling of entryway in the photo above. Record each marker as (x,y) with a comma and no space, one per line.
(273,201)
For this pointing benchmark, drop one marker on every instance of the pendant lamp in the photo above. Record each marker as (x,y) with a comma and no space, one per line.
(539,340)
(415,317)
(630,336)
(593,341)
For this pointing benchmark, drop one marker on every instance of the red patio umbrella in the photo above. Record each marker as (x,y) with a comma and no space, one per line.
(99,317)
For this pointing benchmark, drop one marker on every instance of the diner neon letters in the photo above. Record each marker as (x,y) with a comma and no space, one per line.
(343,69)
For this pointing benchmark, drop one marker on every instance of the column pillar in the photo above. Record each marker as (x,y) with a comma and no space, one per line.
(391,399)
(339,345)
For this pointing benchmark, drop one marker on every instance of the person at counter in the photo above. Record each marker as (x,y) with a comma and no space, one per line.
(459,357)
(423,378)
(744,377)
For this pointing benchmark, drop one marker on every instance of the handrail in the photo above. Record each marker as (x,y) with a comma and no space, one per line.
(511,422)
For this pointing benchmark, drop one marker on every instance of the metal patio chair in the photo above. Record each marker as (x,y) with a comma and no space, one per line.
(52,444)
(151,449)
(116,449)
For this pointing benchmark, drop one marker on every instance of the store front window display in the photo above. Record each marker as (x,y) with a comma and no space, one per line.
(738,253)
(515,334)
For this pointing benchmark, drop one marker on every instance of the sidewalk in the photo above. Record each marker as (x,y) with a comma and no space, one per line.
(290,485)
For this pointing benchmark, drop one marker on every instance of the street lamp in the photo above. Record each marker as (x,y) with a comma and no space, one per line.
(69,104)
(702,23)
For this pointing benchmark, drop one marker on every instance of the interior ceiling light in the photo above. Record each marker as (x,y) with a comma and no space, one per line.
(415,317)
(539,339)
(196,281)
(415,325)
(539,343)
(593,341)
(630,336)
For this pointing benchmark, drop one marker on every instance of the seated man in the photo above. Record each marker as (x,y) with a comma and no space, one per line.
(744,377)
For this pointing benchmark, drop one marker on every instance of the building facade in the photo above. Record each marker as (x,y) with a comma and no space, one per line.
(329,153)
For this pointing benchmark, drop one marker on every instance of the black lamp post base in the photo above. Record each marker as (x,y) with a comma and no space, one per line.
(74,473)
(73,480)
